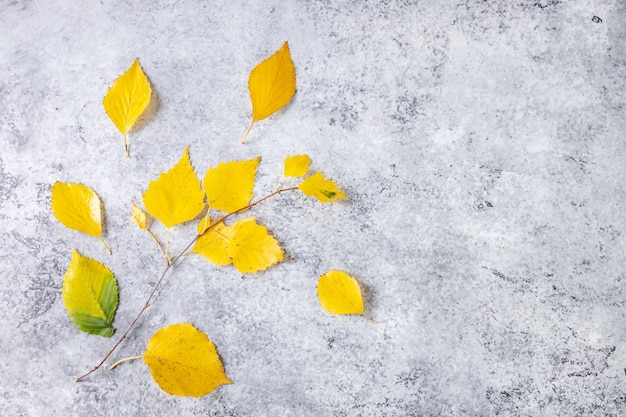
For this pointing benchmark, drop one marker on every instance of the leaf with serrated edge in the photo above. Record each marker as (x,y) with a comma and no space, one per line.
(229,186)
(90,295)
(214,244)
(324,190)
(176,196)
(272,84)
(296,165)
(339,293)
(252,248)
(78,207)
(183,361)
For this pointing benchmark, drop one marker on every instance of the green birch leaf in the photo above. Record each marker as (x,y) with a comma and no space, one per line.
(90,295)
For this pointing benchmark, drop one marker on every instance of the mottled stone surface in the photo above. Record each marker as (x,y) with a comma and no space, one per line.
(481,144)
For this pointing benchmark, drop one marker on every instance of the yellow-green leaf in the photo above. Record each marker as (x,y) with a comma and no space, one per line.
(272,84)
(78,207)
(127,98)
(90,295)
(176,196)
(214,244)
(229,186)
(324,190)
(252,248)
(297,165)
(139,217)
(339,293)
(183,361)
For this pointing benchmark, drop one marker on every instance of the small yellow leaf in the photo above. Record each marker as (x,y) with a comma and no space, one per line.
(176,196)
(78,207)
(229,186)
(339,293)
(139,217)
(183,361)
(297,165)
(272,84)
(252,248)
(324,190)
(214,245)
(127,98)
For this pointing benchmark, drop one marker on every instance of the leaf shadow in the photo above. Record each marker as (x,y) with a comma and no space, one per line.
(148,113)
(368,295)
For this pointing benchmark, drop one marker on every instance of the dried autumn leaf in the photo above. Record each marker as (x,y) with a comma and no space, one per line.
(339,293)
(324,190)
(229,186)
(176,196)
(214,244)
(272,84)
(127,98)
(139,217)
(252,248)
(90,295)
(297,165)
(183,361)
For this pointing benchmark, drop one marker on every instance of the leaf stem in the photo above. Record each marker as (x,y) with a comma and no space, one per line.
(369,318)
(106,246)
(172,262)
(130,358)
(167,243)
(126,146)
(158,241)
(245,135)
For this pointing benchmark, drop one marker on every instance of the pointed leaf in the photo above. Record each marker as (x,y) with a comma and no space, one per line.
(324,190)
(339,293)
(252,248)
(78,207)
(176,196)
(127,98)
(139,217)
(183,361)
(229,186)
(90,295)
(214,245)
(297,165)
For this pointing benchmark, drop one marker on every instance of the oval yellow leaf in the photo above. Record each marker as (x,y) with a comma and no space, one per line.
(139,217)
(176,196)
(183,361)
(324,190)
(252,248)
(90,295)
(77,207)
(339,293)
(297,165)
(127,98)
(272,84)
(214,244)
(229,186)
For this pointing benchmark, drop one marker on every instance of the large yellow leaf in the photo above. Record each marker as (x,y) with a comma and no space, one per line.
(272,84)
(77,207)
(296,165)
(127,98)
(324,190)
(252,248)
(229,186)
(176,196)
(339,293)
(90,295)
(183,361)
(214,244)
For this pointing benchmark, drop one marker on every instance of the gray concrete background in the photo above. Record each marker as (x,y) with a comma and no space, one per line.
(481,144)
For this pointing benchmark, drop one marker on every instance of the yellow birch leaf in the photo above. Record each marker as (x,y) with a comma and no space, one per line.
(139,217)
(90,295)
(127,98)
(183,361)
(214,244)
(324,190)
(229,186)
(252,248)
(297,165)
(339,293)
(272,84)
(78,207)
(176,196)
